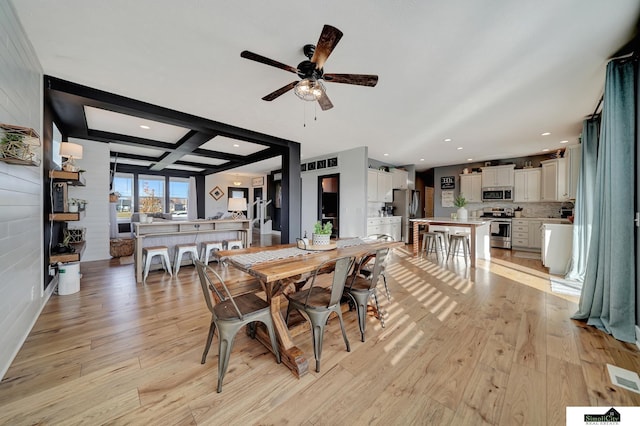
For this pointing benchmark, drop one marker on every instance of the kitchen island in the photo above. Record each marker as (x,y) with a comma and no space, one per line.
(171,232)
(479,232)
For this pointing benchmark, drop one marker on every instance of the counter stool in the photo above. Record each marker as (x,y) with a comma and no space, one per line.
(181,250)
(454,245)
(234,244)
(148,253)
(432,241)
(206,248)
(445,238)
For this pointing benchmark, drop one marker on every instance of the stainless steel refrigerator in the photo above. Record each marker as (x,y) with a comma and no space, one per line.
(406,203)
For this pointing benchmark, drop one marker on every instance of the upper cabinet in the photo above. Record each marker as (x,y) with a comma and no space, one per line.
(379,186)
(471,187)
(527,185)
(554,180)
(497,176)
(573,154)
(400,179)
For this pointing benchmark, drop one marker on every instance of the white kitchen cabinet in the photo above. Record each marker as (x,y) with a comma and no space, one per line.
(471,187)
(525,234)
(379,186)
(557,244)
(554,180)
(400,179)
(535,234)
(526,185)
(385,225)
(497,176)
(573,154)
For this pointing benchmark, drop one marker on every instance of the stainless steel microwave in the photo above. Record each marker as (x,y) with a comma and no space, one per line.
(501,193)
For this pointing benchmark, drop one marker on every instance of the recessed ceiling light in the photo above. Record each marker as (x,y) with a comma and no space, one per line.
(545,150)
(386,155)
(564,141)
(144,126)
(235,145)
(422,159)
(546,134)
(459,148)
(447,140)
(469,159)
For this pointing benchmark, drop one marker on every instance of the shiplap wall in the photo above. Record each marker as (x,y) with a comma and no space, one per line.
(21,223)
(95,163)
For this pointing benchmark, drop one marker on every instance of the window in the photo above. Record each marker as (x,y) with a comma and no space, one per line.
(179,197)
(123,184)
(151,196)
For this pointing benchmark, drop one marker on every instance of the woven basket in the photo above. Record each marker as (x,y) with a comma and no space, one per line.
(120,247)
(113,198)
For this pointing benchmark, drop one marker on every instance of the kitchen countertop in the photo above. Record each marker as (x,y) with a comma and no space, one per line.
(545,219)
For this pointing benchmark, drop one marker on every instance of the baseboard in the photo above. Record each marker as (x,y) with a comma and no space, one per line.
(638,336)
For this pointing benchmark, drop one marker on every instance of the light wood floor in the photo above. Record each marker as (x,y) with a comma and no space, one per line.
(487,346)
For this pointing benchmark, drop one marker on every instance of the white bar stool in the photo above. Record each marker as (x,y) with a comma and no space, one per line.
(432,241)
(206,248)
(148,253)
(454,245)
(181,250)
(234,244)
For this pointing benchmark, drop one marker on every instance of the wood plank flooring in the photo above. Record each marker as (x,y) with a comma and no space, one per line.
(466,347)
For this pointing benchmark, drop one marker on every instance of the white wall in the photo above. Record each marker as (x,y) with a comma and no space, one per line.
(95,163)
(21,222)
(224,181)
(352,167)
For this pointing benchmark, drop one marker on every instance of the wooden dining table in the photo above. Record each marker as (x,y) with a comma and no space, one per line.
(278,274)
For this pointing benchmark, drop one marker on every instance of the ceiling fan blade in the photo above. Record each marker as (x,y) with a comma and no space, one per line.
(359,79)
(264,60)
(328,40)
(281,91)
(324,101)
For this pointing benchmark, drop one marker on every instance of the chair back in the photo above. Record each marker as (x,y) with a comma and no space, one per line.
(341,271)
(378,266)
(209,287)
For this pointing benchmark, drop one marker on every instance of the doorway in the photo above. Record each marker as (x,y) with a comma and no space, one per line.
(257,195)
(329,201)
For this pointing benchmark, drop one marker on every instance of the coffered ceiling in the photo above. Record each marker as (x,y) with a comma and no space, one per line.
(458,80)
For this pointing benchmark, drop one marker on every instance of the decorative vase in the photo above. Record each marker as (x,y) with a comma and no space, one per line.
(73,208)
(321,239)
(463,214)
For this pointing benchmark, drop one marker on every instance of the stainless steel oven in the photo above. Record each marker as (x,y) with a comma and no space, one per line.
(501,233)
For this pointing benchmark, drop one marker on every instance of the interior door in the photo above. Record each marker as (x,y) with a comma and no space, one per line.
(428,201)
(329,201)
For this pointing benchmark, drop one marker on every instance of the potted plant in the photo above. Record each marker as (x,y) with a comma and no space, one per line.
(460,202)
(322,233)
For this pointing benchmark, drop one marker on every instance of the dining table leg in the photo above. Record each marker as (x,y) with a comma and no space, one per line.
(291,355)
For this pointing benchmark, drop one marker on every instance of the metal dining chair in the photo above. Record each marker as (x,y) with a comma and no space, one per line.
(361,287)
(317,303)
(229,314)
(367,270)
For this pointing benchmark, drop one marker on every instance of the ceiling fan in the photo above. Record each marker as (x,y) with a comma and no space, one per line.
(311,71)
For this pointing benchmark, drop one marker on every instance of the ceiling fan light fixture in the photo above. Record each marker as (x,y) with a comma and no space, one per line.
(309,89)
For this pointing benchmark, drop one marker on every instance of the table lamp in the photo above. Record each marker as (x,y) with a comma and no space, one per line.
(237,206)
(70,151)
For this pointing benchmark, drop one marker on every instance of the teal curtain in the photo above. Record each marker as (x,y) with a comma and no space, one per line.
(585,198)
(608,294)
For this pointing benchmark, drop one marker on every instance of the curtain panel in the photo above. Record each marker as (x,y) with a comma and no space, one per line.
(585,197)
(608,295)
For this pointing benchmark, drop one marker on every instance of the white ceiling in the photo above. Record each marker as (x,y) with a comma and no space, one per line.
(491,75)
